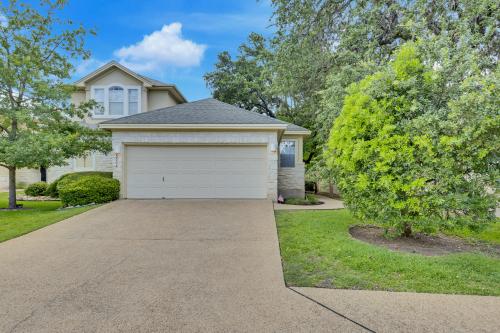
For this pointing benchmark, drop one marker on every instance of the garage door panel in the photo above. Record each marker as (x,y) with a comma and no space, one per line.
(196,171)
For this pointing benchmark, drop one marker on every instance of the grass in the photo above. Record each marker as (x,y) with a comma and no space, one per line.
(317,250)
(490,234)
(40,214)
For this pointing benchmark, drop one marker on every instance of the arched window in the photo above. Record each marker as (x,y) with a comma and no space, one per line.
(116,95)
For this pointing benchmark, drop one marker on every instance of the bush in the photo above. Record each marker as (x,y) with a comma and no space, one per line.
(308,200)
(53,190)
(415,150)
(310,186)
(36,189)
(88,189)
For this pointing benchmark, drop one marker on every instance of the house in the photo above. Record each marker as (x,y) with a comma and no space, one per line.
(165,147)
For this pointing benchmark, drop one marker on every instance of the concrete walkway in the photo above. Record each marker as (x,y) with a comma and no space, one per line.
(195,266)
(328,203)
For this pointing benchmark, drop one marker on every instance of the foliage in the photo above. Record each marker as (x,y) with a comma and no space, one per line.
(245,81)
(52,189)
(310,186)
(490,234)
(413,148)
(317,250)
(88,189)
(36,189)
(38,127)
(318,48)
(36,215)
(308,200)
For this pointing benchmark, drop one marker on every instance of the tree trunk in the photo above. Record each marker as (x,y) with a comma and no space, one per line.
(407,230)
(12,188)
(330,189)
(43,174)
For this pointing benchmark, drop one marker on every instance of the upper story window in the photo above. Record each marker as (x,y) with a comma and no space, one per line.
(133,101)
(99,98)
(116,100)
(287,154)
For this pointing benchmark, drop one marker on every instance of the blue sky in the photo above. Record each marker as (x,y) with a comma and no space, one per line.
(171,40)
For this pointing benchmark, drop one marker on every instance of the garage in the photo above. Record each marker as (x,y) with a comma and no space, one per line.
(195,171)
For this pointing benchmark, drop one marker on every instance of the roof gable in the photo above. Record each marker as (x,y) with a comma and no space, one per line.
(146,81)
(112,64)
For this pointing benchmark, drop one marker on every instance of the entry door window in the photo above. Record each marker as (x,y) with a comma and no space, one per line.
(287,154)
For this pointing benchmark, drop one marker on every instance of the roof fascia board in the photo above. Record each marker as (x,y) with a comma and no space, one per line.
(193,126)
(298,133)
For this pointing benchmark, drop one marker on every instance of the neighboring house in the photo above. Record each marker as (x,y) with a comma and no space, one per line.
(164,147)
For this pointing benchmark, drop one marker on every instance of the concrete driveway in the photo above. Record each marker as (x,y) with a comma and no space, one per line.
(194,266)
(155,266)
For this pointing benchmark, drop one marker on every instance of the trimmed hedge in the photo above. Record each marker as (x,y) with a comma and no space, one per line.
(88,189)
(53,190)
(36,189)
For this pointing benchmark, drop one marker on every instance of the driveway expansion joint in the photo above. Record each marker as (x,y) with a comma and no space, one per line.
(331,310)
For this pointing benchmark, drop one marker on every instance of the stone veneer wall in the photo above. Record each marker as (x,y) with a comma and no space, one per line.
(269,138)
(291,181)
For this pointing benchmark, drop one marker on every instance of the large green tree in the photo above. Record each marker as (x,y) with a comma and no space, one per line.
(416,144)
(245,81)
(38,126)
(323,46)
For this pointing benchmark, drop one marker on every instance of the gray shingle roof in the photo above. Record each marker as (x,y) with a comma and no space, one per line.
(155,82)
(205,111)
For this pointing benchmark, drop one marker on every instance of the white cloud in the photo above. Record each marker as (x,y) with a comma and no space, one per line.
(87,66)
(161,48)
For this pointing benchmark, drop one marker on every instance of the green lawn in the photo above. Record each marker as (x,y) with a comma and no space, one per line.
(490,234)
(16,223)
(317,250)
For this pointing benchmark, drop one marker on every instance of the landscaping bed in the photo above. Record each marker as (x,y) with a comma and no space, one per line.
(309,200)
(318,250)
(420,243)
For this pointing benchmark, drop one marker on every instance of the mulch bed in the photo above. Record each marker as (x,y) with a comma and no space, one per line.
(429,245)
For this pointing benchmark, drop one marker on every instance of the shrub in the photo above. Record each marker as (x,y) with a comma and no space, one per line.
(414,150)
(88,189)
(310,186)
(308,200)
(53,190)
(36,189)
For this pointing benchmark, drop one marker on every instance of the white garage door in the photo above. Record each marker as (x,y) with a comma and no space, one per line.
(196,172)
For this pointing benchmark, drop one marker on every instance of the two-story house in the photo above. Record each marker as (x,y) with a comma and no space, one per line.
(165,147)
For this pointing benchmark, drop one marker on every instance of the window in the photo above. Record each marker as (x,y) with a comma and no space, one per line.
(99,98)
(116,100)
(287,154)
(133,101)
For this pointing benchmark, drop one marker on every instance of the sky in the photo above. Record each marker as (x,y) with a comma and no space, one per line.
(170,40)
